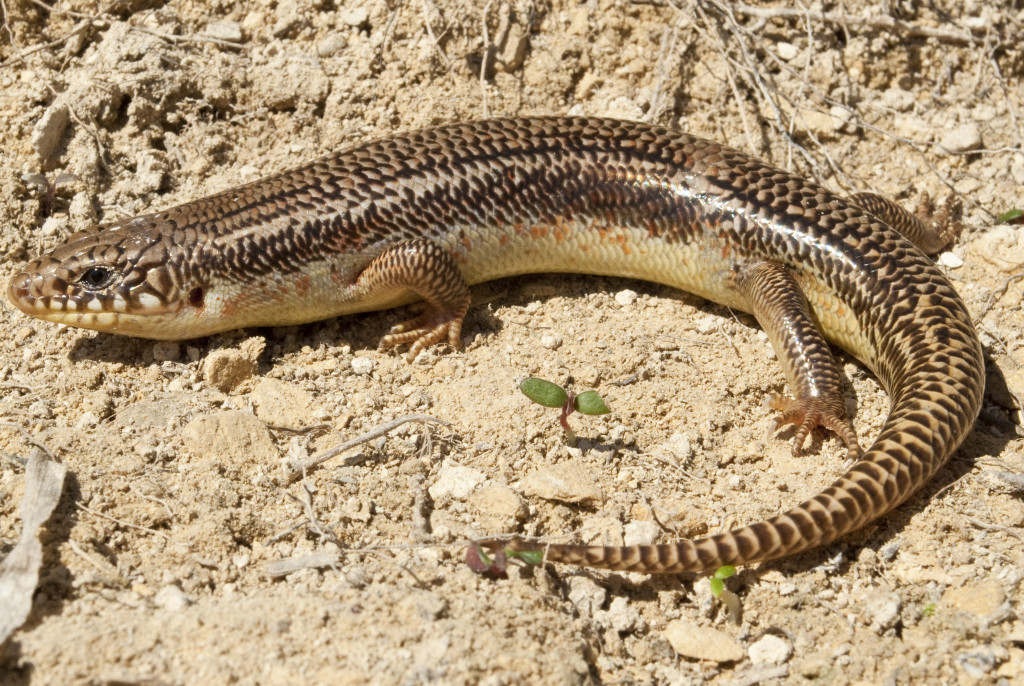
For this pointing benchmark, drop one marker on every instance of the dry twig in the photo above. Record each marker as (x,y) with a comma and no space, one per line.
(297,470)
(430,32)
(488,49)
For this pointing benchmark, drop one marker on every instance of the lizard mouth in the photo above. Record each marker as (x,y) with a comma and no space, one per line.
(53,299)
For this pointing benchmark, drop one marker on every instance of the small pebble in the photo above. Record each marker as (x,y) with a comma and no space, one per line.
(702,642)
(172,598)
(49,130)
(166,351)
(963,138)
(354,16)
(621,617)
(455,481)
(362,365)
(551,342)
(951,260)
(706,325)
(230,31)
(625,297)
(883,610)
(88,419)
(54,225)
(586,595)
(332,44)
(565,482)
(226,369)
(787,51)
(770,649)
(640,533)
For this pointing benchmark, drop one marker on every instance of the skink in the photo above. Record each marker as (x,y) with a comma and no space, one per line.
(426,214)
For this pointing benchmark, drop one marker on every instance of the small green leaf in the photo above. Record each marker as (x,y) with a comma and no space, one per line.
(590,402)
(1011,217)
(724,572)
(717,586)
(530,557)
(544,392)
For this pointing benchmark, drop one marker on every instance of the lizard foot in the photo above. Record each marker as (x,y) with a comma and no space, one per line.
(808,413)
(431,326)
(944,220)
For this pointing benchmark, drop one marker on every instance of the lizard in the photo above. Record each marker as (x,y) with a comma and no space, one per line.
(425,215)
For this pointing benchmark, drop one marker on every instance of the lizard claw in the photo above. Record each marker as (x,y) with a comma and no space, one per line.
(808,413)
(429,327)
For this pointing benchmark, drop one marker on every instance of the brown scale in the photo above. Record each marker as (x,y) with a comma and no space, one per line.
(354,210)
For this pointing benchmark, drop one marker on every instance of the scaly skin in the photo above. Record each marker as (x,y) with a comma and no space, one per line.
(424,214)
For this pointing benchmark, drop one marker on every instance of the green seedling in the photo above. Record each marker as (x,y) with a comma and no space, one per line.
(495,565)
(718,589)
(1011,217)
(717,580)
(552,395)
(929,610)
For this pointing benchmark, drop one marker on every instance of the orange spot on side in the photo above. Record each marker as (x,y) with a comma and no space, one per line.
(538,231)
(561,230)
(623,243)
(503,239)
(467,244)
(518,228)
(302,285)
(336,277)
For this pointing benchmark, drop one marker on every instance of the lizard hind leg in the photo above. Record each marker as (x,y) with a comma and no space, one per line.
(775,298)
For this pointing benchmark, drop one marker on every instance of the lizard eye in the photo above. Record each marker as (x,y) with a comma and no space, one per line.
(96,278)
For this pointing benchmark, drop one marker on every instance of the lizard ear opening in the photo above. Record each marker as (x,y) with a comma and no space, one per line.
(195,297)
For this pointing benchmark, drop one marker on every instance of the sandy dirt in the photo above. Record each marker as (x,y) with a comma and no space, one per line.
(163,562)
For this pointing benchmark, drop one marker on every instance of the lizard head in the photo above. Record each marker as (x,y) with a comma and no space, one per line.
(122,280)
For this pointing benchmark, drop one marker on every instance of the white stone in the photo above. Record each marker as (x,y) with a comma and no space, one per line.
(625,297)
(230,31)
(586,595)
(640,533)
(951,260)
(787,51)
(551,341)
(882,610)
(963,138)
(362,365)
(566,482)
(621,617)
(47,132)
(354,16)
(455,481)
(172,598)
(770,649)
